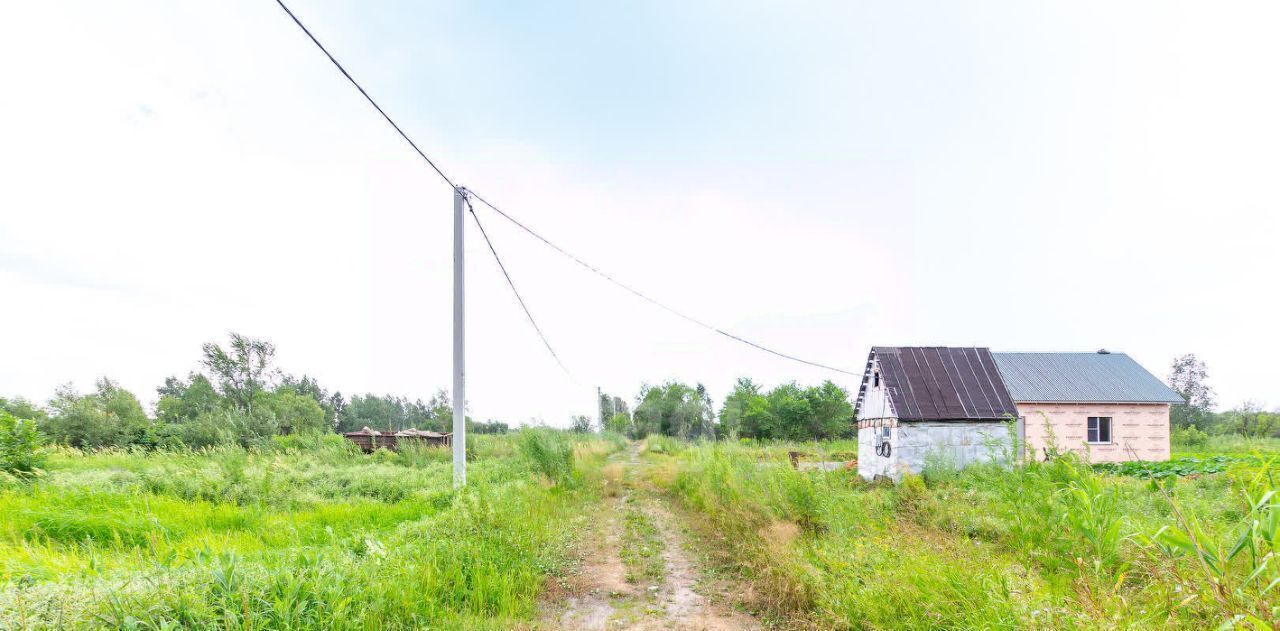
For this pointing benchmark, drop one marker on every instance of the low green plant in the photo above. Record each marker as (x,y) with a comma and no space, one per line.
(1235,570)
(21,446)
(939,468)
(641,547)
(1176,467)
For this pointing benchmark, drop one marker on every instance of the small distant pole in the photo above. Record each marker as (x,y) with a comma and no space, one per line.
(459,337)
(599,409)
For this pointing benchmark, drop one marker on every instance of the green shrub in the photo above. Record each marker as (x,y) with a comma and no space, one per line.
(1190,437)
(21,451)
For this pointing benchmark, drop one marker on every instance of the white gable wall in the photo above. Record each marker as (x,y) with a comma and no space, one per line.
(875,402)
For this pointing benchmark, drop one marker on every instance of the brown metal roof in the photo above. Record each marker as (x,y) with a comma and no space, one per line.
(938,383)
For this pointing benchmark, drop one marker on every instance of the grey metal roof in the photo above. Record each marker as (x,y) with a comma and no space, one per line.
(1081,377)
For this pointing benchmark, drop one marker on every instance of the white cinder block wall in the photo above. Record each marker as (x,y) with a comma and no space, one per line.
(913,443)
(869,464)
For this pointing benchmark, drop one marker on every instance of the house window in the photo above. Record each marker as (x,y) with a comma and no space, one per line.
(1099,430)
(876,378)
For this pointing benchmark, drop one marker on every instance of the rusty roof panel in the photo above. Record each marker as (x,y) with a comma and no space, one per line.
(933,383)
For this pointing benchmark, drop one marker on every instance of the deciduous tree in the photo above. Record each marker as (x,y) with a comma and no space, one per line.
(1189,377)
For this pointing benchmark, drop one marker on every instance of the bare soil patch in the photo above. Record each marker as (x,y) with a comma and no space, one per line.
(598,596)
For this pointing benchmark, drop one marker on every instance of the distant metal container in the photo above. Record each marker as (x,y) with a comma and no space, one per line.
(371,439)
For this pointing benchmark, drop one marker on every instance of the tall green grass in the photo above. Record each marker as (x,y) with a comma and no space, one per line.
(1047,545)
(302,534)
(1227,444)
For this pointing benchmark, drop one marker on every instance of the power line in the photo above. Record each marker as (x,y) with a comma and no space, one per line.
(641,295)
(437,169)
(366,94)
(559,249)
(515,291)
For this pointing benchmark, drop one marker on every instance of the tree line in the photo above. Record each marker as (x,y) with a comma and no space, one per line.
(785,412)
(1189,377)
(237,396)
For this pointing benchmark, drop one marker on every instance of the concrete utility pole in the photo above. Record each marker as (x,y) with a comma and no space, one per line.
(459,340)
(599,409)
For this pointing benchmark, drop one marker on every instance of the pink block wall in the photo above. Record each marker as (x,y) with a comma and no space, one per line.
(1141,428)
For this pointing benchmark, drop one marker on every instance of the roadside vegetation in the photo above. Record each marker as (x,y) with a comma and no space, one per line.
(1046,545)
(234,503)
(301,533)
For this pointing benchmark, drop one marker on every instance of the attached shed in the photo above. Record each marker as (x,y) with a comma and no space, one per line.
(917,403)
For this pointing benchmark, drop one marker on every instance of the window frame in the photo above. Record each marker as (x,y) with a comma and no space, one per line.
(1093,430)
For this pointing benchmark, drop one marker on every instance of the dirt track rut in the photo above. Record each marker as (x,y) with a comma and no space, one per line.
(606,594)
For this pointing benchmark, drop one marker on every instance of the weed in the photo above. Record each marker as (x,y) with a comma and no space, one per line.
(642,546)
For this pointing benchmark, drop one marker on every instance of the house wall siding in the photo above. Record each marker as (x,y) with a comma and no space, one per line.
(962,443)
(1136,428)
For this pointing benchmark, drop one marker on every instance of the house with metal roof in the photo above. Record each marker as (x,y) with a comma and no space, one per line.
(1104,405)
(966,405)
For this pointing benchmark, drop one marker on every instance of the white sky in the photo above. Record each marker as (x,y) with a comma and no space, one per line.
(818,177)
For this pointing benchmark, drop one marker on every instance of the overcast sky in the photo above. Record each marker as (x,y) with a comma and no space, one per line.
(817,177)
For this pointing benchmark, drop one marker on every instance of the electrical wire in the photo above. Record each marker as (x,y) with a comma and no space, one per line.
(652,301)
(366,94)
(559,249)
(511,283)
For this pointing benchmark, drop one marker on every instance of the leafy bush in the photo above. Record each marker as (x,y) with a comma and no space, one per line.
(20,446)
(107,417)
(581,424)
(1190,436)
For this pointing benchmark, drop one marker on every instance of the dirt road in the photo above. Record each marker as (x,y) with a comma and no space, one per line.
(636,571)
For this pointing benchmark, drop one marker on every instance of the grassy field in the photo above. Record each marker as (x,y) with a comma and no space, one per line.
(306,534)
(1052,546)
(309,534)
